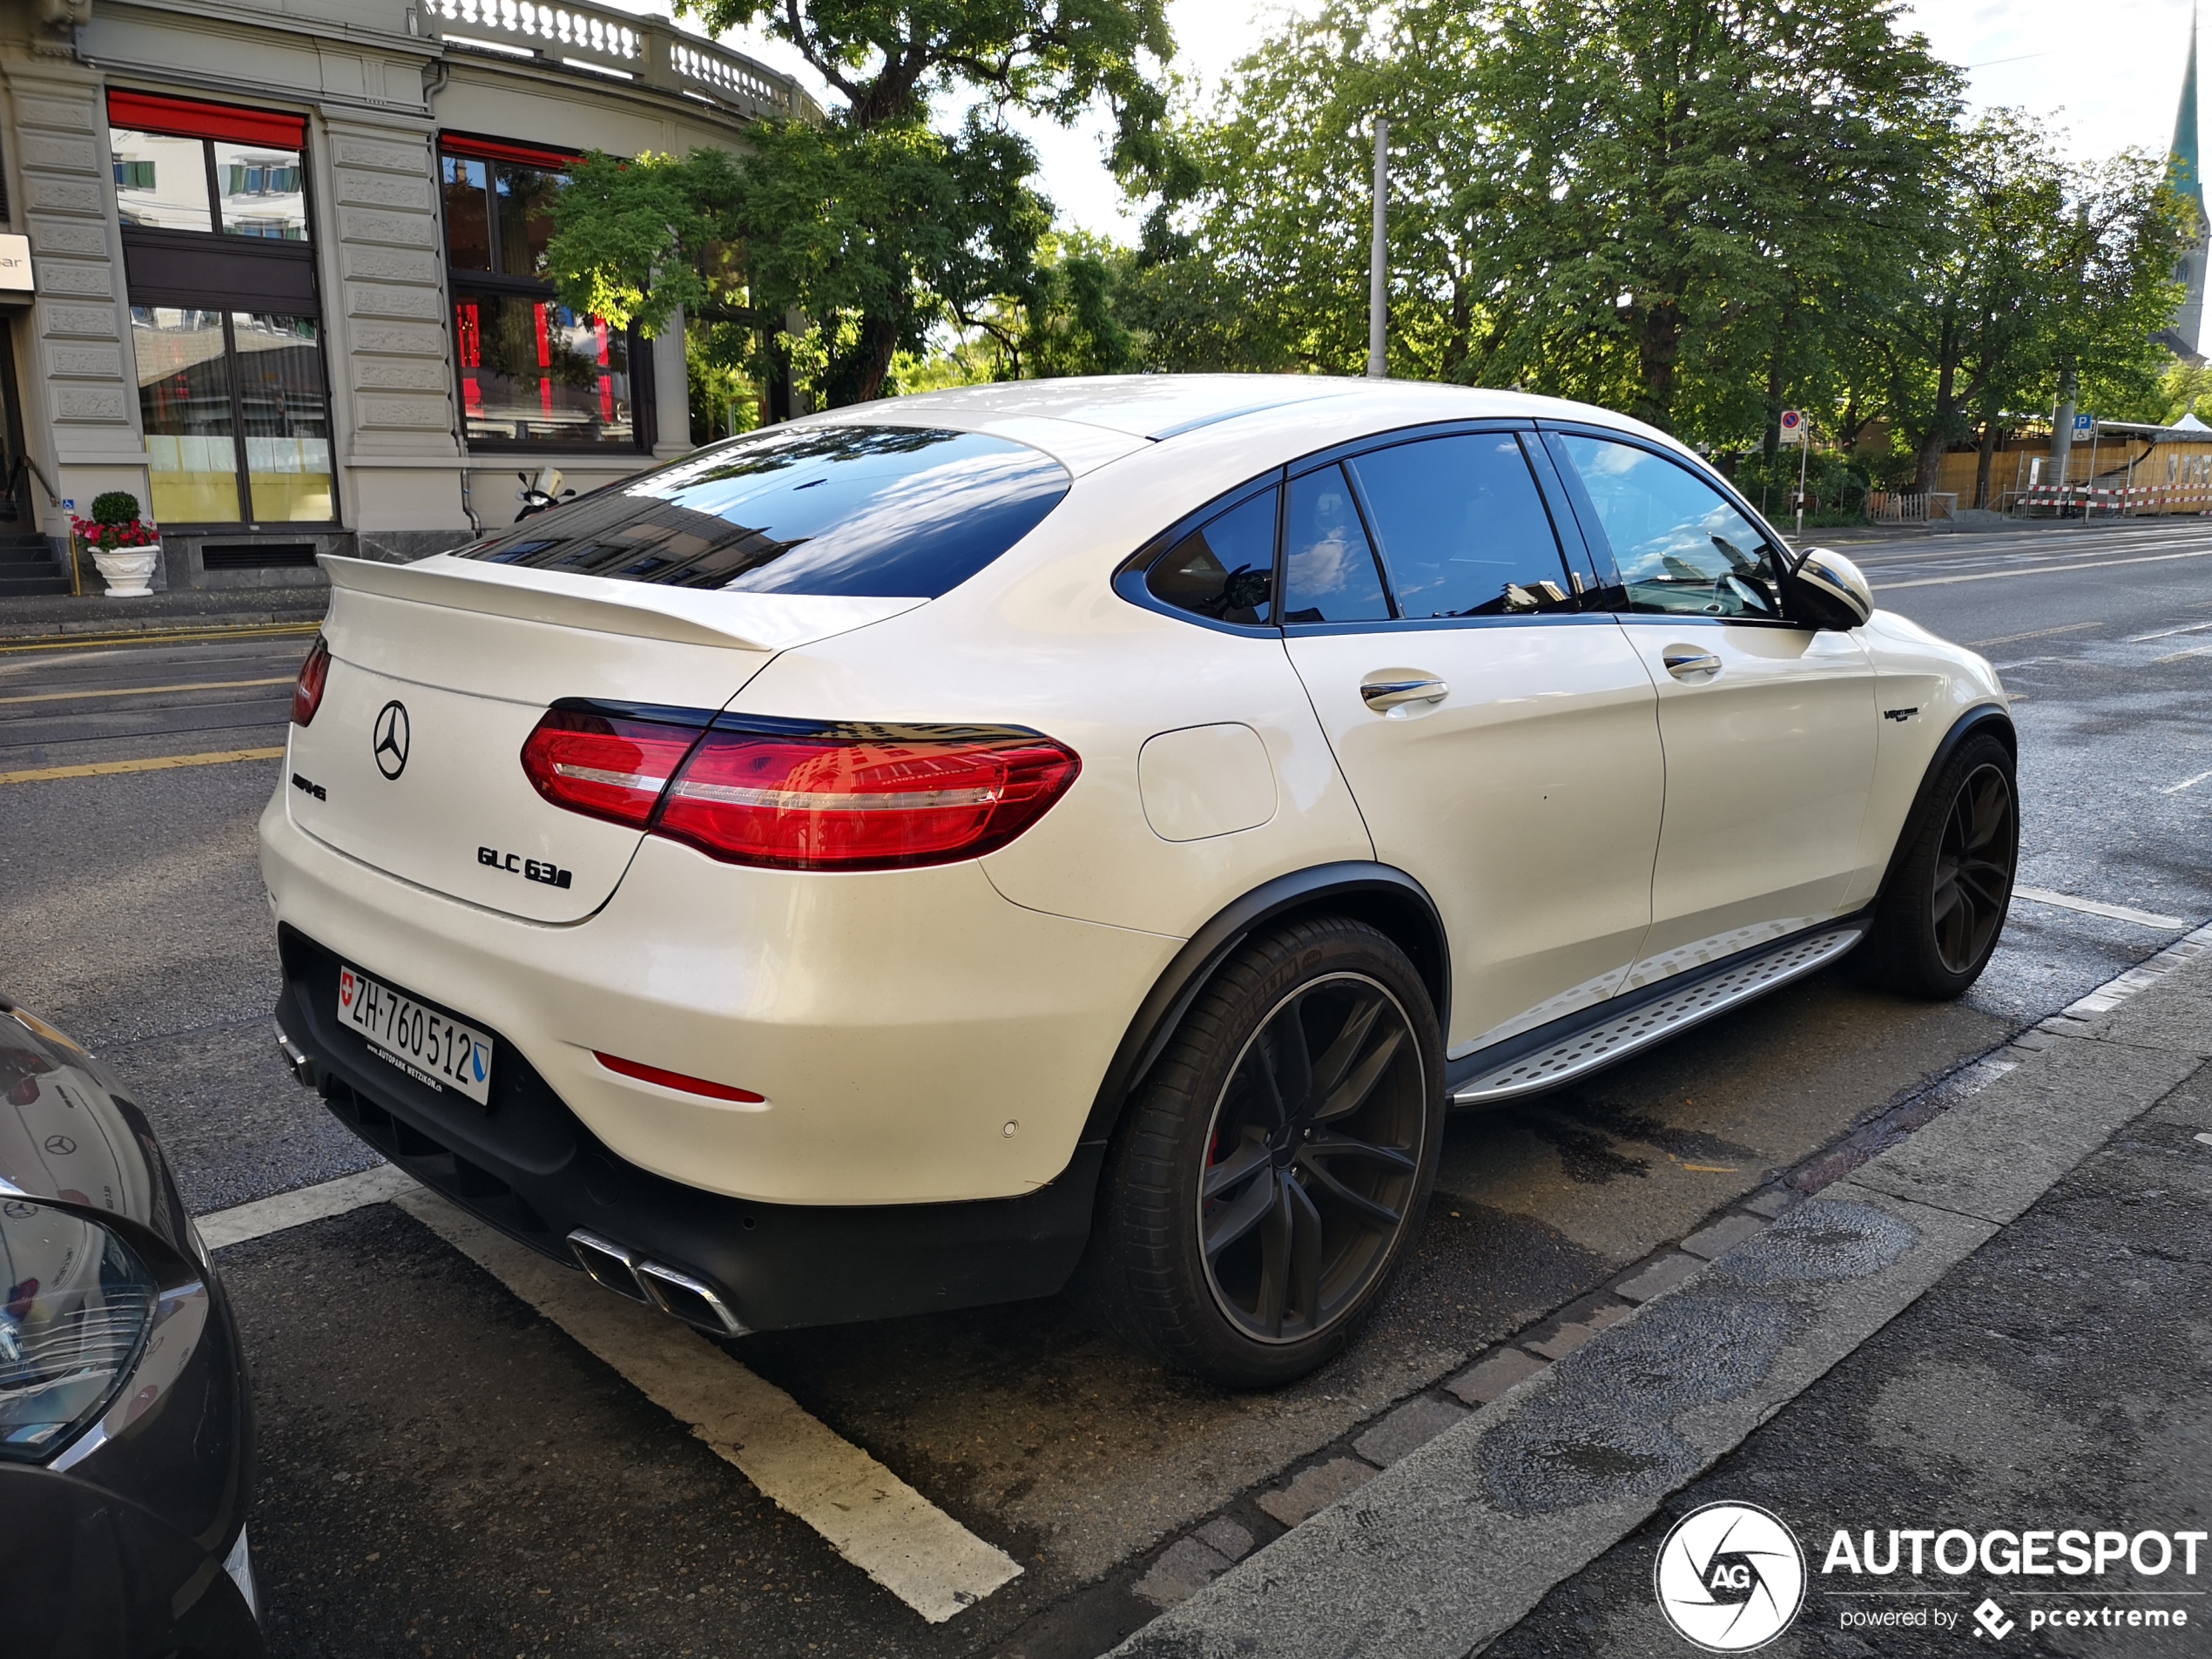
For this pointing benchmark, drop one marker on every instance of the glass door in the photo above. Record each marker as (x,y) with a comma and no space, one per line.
(16,509)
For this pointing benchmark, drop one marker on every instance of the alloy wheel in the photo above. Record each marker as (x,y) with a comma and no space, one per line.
(1313,1157)
(1974,869)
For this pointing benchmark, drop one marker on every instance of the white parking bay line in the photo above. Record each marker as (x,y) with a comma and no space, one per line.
(295,1209)
(2186,783)
(2090,907)
(869,1516)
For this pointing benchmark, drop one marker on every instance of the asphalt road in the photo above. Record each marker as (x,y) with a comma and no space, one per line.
(447,1472)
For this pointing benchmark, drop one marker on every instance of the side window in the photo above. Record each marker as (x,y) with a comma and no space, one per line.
(1680,548)
(1223,569)
(1329,571)
(1462,529)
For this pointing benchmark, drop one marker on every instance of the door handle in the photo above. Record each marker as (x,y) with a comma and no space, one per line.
(1398,689)
(1688,663)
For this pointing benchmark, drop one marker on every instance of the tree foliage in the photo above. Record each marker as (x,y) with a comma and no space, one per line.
(831,246)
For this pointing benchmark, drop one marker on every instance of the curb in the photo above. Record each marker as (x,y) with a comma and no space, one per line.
(15,636)
(1459,1538)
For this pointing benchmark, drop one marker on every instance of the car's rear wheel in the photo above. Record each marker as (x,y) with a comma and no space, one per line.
(1268,1179)
(1937,925)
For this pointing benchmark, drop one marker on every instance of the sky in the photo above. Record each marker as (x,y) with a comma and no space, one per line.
(2108,74)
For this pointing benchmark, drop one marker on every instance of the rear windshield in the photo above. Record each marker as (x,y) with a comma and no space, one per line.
(884,512)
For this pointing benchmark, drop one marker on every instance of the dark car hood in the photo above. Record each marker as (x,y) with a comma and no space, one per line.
(66,1134)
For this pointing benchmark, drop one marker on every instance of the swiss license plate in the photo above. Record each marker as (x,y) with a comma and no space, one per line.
(430,1048)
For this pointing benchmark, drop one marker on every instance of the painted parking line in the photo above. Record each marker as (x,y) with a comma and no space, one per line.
(869,1514)
(148,691)
(157,763)
(2186,783)
(222,1228)
(2091,907)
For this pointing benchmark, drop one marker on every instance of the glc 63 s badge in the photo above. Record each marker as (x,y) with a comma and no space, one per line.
(529,869)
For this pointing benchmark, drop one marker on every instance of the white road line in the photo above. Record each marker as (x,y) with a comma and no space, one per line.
(2167,633)
(2176,656)
(2186,783)
(265,1215)
(869,1516)
(2040,570)
(2091,907)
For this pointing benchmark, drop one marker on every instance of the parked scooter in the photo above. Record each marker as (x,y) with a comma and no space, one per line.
(538,494)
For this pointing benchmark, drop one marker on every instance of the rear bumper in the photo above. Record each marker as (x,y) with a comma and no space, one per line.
(529,1166)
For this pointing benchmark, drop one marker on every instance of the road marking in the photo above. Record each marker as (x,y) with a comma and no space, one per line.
(2207,1139)
(158,762)
(869,1516)
(2039,633)
(224,1228)
(2040,570)
(77,642)
(149,690)
(2176,656)
(2186,783)
(2090,907)
(2167,633)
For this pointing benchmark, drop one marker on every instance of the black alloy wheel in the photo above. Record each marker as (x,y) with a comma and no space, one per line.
(1943,908)
(1269,1177)
(1313,1157)
(1974,870)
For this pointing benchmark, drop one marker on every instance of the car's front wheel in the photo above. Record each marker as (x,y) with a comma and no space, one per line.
(1269,1178)
(1938,923)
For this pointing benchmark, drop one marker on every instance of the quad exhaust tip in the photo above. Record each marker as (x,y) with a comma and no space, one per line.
(622,1270)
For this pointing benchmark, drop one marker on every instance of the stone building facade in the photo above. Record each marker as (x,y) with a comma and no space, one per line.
(287,257)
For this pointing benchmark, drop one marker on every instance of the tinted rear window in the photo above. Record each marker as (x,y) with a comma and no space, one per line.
(885,512)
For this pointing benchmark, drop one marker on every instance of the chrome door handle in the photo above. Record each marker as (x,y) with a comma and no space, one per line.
(1686,662)
(1382,696)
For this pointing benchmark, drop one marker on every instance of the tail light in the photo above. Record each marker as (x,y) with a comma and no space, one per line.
(795,796)
(306,691)
(606,765)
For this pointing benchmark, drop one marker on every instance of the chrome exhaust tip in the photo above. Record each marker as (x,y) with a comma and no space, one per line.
(688,1299)
(303,1069)
(609,1264)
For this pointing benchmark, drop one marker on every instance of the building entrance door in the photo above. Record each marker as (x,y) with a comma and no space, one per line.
(16,509)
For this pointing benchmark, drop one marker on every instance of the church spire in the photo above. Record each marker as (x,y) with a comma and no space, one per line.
(2183,156)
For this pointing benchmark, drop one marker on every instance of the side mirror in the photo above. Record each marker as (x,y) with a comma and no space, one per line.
(1829,591)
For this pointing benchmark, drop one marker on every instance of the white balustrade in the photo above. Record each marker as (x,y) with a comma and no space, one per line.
(643,49)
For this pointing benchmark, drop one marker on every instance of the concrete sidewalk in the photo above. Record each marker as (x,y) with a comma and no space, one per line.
(2045,1242)
(185,611)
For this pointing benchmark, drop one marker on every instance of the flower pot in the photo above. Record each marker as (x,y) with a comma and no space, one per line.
(128,570)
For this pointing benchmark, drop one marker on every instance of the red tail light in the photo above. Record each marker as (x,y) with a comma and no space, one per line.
(690,1085)
(799,797)
(605,766)
(306,691)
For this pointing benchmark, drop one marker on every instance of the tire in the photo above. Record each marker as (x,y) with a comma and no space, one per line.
(1937,922)
(1247,1244)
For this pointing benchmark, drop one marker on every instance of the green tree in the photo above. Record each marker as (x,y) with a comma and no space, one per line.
(873,226)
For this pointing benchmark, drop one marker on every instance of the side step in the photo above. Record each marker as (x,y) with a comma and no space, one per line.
(1618,1033)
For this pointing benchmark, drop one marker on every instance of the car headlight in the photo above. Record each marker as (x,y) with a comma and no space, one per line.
(77,1304)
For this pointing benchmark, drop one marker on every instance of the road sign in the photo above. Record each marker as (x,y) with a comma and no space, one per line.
(2085,427)
(1793,426)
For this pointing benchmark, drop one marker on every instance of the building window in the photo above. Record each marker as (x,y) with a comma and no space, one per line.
(237,415)
(534,373)
(224,316)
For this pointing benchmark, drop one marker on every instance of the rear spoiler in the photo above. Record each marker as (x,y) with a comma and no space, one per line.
(766,622)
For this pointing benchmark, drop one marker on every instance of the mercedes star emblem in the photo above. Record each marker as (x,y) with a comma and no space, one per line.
(391,739)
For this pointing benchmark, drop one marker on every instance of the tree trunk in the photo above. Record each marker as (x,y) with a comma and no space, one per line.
(1658,348)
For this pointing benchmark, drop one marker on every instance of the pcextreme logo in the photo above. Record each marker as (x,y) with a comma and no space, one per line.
(1730,1577)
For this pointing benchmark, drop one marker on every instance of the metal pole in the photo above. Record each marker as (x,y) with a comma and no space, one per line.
(2089,494)
(1804,446)
(1378,261)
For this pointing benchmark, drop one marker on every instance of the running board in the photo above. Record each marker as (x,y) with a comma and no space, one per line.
(1617,1035)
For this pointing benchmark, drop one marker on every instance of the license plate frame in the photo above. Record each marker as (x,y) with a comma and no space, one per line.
(436,1049)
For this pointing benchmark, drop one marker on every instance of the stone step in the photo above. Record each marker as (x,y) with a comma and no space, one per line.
(12,586)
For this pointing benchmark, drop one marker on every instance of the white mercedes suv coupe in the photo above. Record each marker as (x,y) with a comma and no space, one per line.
(935,851)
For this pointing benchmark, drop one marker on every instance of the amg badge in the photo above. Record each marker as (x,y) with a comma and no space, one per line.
(1901,715)
(529,869)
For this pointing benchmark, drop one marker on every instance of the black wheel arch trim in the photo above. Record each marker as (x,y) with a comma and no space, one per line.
(1349,887)
(1990,718)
